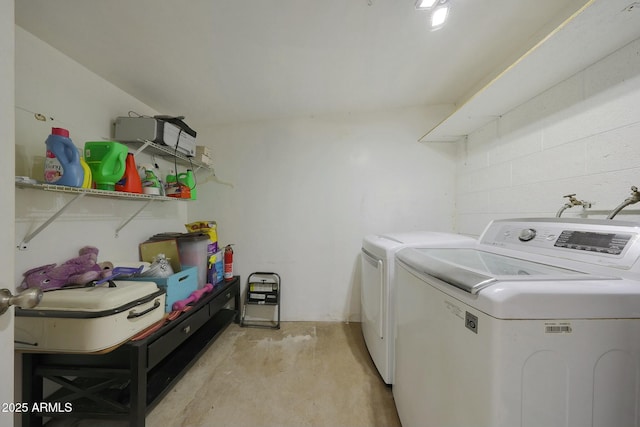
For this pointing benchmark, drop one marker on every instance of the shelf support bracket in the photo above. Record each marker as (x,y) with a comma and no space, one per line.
(132,217)
(25,242)
(144,145)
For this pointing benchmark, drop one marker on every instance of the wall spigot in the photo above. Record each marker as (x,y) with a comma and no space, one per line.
(571,203)
(634,198)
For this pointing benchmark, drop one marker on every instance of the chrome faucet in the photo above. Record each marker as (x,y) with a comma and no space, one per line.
(634,198)
(571,203)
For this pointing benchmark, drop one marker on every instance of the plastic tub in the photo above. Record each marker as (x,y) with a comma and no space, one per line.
(192,249)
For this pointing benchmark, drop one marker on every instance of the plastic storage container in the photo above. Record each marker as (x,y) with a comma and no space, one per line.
(62,163)
(178,286)
(87,182)
(151,182)
(107,160)
(187,178)
(130,182)
(192,249)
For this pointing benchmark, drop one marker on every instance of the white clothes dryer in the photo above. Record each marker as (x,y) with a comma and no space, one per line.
(377,289)
(537,326)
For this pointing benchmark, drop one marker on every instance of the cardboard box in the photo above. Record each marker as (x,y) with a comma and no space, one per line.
(203,158)
(201,149)
(169,247)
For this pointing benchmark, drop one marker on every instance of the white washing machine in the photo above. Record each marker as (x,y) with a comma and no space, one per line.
(377,297)
(537,326)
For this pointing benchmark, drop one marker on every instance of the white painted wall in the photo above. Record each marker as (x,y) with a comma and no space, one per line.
(72,97)
(581,136)
(305,192)
(6,203)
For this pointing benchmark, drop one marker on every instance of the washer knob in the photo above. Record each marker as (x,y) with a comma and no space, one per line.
(527,234)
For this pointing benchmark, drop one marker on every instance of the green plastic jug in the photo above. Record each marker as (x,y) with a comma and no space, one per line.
(188,179)
(107,161)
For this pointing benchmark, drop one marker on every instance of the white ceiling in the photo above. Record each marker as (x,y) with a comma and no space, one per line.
(222,61)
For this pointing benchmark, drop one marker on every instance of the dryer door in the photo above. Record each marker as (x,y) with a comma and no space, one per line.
(372,296)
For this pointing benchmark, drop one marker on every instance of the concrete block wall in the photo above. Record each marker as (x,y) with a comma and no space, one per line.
(582,136)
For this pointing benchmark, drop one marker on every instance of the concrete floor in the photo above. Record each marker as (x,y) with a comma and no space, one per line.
(305,374)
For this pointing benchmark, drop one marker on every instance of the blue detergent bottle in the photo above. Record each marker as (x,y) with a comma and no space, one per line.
(62,164)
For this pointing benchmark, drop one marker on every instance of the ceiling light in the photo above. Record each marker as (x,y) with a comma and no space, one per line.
(438,11)
(425,4)
(439,16)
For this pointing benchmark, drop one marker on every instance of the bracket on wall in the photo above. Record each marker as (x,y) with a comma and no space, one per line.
(124,224)
(25,242)
(80,193)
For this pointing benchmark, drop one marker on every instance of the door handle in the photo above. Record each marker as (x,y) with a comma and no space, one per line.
(28,298)
(383,289)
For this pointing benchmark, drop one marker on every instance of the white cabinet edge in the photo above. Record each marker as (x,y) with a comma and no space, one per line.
(596,30)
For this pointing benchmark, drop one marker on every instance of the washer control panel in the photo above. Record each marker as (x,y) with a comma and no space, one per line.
(605,242)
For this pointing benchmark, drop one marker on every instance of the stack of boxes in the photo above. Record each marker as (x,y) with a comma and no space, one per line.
(203,155)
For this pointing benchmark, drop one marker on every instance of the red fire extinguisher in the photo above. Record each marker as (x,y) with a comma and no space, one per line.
(228,263)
